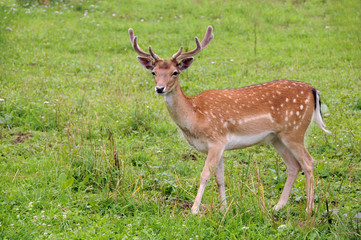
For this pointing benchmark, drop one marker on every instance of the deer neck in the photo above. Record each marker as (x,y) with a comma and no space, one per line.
(179,107)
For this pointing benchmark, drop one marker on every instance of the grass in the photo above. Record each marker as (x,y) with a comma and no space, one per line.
(88,151)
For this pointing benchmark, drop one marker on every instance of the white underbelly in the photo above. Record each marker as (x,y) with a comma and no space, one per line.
(238,141)
(198,144)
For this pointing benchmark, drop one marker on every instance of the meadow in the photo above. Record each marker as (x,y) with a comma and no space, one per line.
(88,150)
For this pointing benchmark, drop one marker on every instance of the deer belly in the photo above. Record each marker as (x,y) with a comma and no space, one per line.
(197,143)
(241,141)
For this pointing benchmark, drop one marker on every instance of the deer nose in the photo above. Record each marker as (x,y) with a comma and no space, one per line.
(159,90)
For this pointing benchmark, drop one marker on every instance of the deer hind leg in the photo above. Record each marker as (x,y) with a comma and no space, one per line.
(299,151)
(214,156)
(293,167)
(219,175)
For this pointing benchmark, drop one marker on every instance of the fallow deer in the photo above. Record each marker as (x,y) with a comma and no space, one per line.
(277,112)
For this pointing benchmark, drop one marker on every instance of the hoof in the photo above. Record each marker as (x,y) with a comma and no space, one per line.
(195,211)
(278,207)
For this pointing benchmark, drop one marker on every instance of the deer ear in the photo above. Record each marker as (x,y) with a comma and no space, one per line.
(185,64)
(146,62)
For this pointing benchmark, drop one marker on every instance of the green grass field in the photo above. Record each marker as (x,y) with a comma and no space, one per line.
(88,150)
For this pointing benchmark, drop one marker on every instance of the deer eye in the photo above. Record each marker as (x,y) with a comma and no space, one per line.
(153,73)
(175,74)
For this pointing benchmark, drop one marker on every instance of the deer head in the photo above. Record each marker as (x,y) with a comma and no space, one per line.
(166,73)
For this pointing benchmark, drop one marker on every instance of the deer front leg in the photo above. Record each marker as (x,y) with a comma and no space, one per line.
(219,174)
(214,156)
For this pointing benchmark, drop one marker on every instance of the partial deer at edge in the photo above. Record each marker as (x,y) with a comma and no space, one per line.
(277,112)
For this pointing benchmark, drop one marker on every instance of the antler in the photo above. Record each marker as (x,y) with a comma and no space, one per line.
(200,46)
(133,40)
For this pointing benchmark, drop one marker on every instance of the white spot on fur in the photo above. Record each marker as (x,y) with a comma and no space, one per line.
(294,100)
(301,107)
(286,99)
(266,116)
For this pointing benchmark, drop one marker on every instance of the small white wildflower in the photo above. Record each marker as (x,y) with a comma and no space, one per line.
(46,102)
(30,204)
(213,62)
(85,13)
(142,20)
(49,225)
(2,100)
(45,233)
(231,60)
(18,216)
(9,28)
(245,227)
(327,27)
(64,216)
(282,227)
(114,15)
